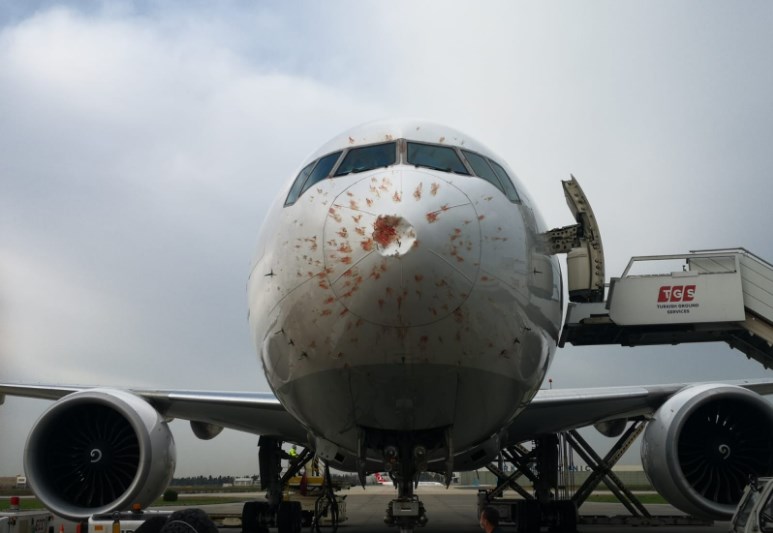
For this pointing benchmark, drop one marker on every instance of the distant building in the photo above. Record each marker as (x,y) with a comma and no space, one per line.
(13,482)
(632,476)
(243,482)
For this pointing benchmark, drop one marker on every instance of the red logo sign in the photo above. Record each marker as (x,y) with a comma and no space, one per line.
(677,293)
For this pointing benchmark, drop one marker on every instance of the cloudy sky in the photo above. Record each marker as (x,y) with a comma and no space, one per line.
(141,144)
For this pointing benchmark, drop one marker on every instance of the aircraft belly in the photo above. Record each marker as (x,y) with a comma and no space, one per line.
(472,370)
(473,402)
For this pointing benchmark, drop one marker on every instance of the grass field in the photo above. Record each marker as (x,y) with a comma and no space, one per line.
(644,498)
(33,503)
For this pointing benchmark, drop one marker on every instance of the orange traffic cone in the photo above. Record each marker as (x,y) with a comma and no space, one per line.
(61,528)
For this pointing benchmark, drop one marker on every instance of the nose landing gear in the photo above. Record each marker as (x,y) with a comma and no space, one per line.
(406,511)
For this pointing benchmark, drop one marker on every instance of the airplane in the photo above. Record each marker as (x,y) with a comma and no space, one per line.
(405,308)
(381,479)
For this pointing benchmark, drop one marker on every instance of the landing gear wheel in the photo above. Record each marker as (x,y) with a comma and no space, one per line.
(252,514)
(567,517)
(528,516)
(562,516)
(307,519)
(289,517)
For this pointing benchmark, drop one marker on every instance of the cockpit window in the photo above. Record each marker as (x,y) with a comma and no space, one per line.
(368,158)
(435,157)
(321,170)
(482,169)
(510,191)
(295,190)
(311,174)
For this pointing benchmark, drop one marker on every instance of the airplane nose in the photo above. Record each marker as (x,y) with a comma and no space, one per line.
(402,248)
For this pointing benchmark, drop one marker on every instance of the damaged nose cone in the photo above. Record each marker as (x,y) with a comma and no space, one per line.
(394,236)
(402,248)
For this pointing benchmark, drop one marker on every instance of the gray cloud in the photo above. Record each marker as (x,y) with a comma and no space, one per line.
(141,144)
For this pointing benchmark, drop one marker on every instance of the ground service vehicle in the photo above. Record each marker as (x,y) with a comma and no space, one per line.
(25,521)
(755,510)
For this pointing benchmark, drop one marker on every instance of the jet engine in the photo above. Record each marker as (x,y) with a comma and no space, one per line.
(703,445)
(97,451)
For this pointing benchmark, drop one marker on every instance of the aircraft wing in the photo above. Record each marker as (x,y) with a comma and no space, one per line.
(261,413)
(253,412)
(552,411)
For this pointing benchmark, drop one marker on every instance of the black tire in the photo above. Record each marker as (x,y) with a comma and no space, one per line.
(250,517)
(528,516)
(307,518)
(288,517)
(151,525)
(183,520)
(567,517)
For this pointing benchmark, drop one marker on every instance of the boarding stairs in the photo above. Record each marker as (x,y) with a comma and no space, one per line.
(702,296)
(723,295)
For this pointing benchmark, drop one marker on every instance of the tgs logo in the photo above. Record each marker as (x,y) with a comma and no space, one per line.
(677,293)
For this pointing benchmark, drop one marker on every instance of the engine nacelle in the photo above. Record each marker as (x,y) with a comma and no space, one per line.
(703,445)
(97,451)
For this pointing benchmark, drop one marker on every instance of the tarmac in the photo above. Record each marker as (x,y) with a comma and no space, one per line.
(454,510)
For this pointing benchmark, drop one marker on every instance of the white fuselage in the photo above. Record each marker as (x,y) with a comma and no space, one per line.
(404,299)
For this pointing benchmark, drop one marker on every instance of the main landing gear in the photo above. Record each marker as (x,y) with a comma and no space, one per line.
(542,507)
(288,517)
(549,505)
